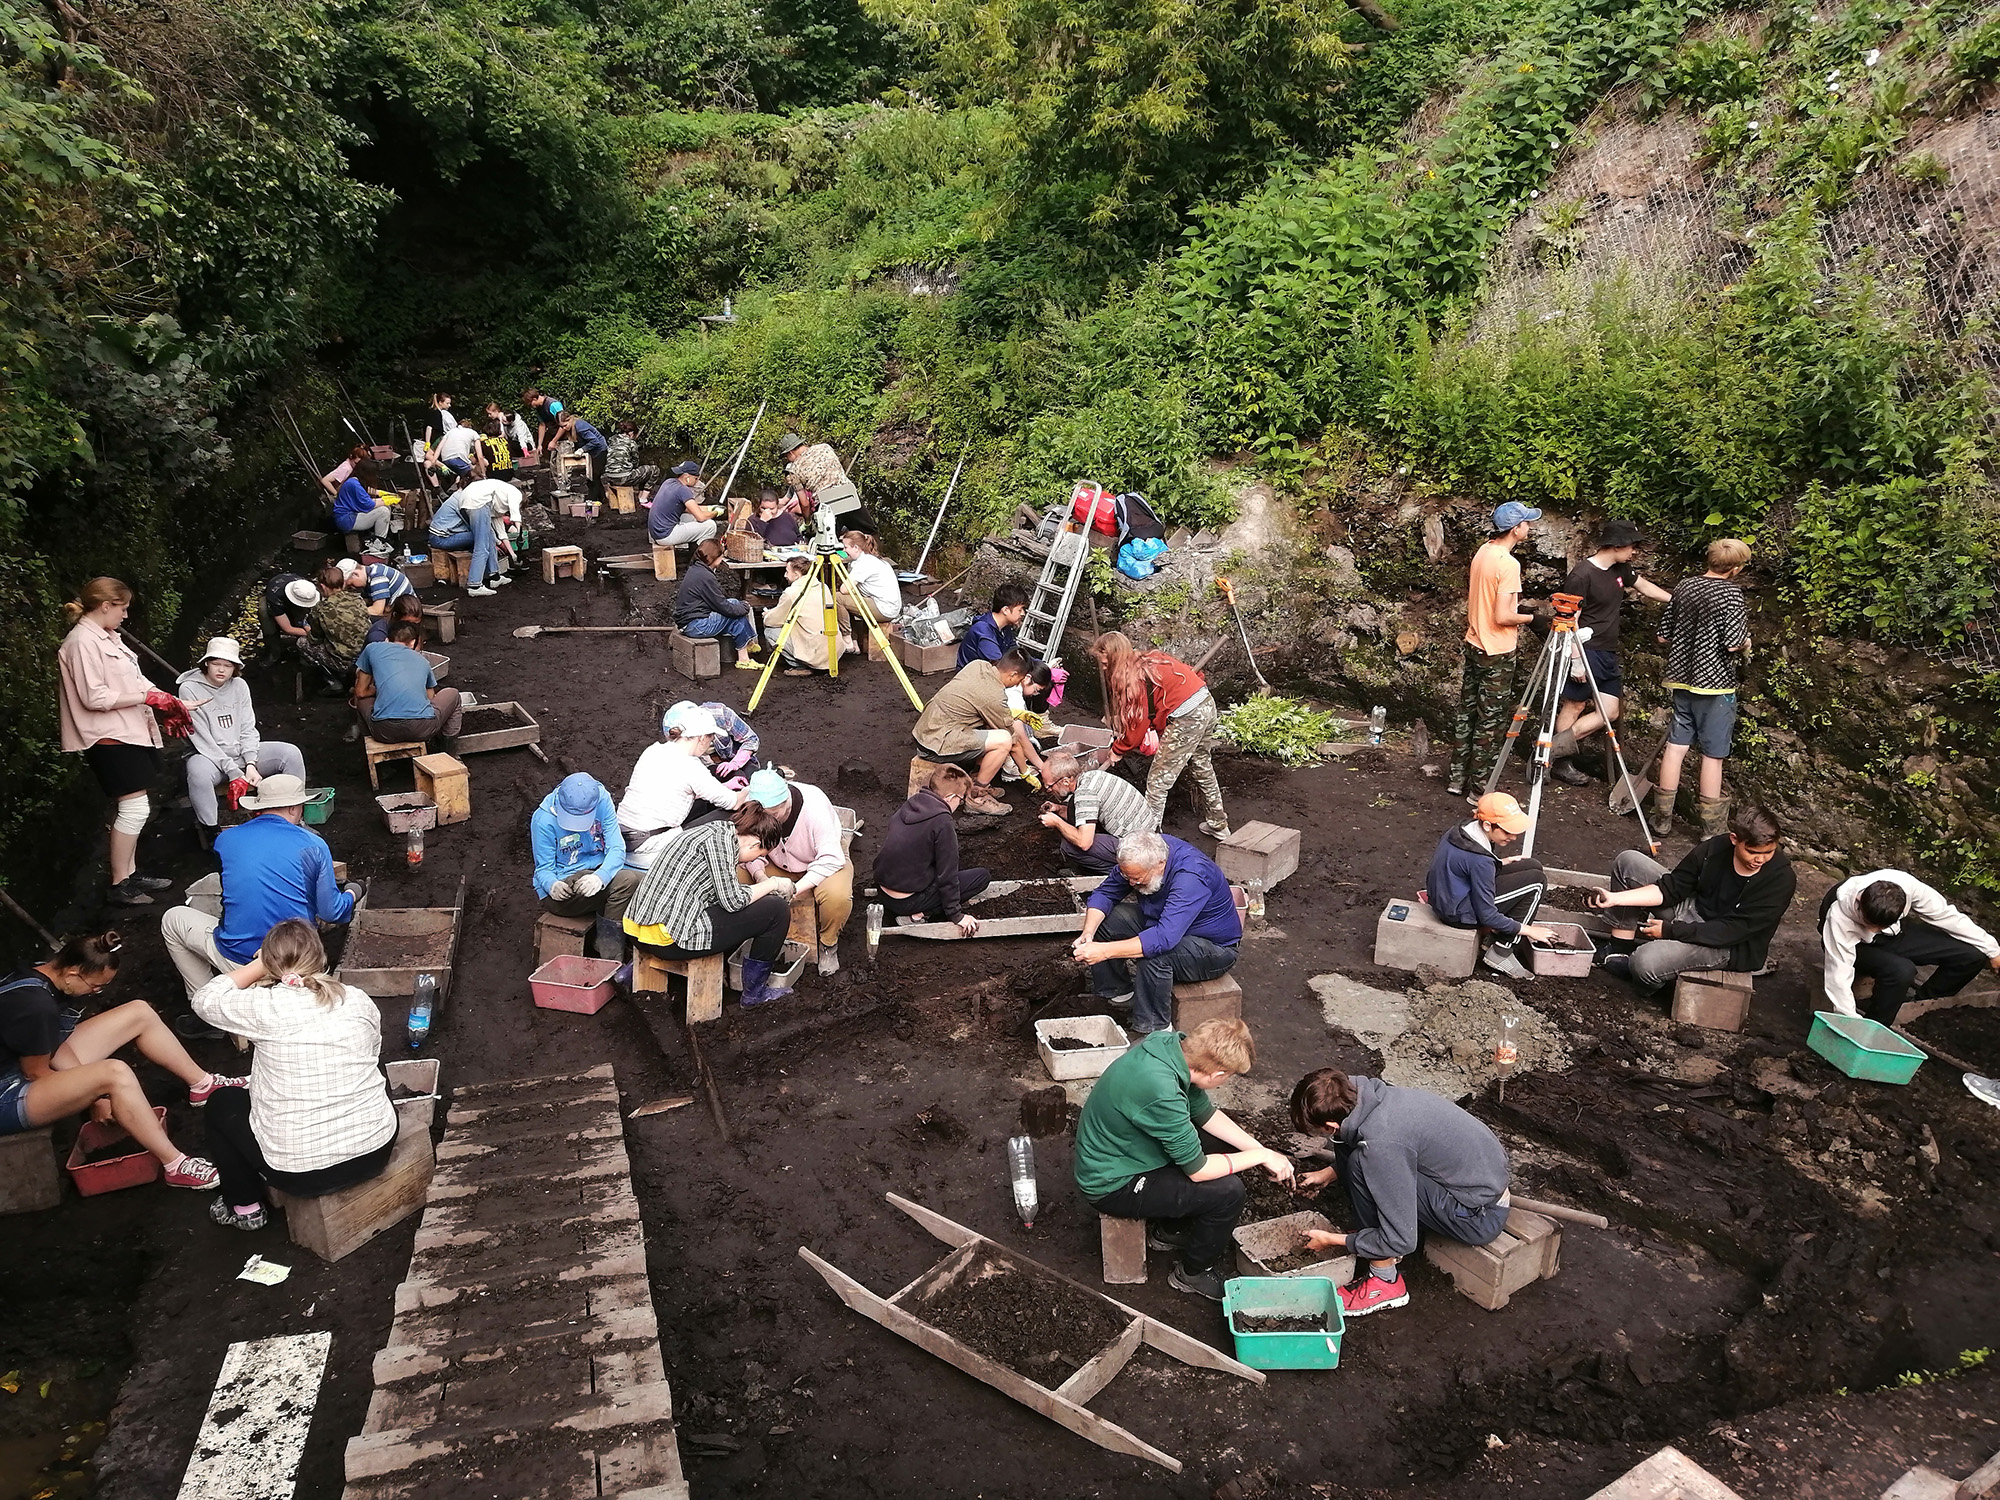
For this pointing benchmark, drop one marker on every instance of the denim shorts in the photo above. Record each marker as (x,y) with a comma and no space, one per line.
(14,1086)
(1604,667)
(1704,719)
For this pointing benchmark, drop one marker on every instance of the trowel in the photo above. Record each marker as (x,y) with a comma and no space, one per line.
(1631,789)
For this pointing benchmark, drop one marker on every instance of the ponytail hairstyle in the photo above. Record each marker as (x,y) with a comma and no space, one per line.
(95,594)
(1125,704)
(295,959)
(89,953)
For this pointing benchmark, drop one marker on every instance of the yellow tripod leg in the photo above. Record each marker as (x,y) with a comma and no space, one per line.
(875,632)
(777,655)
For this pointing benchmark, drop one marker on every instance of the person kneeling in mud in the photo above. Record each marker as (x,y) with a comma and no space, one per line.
(1409,1158)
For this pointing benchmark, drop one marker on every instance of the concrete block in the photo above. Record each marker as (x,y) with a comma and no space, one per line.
(1259,851)
(696,656)
(1408,933)
(1667,1475)
(1123,1244)
(444,780)
(560,937)
(1212,999)
(29,1177)
(1716,999)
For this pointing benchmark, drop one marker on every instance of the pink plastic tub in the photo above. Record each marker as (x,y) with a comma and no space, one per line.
(114,1172)
(573,982)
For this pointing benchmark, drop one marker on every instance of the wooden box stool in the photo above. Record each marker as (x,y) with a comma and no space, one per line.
(1259,851)
(443,779)
(337,1224)
(1123,1245)
(664,567)
(1408,933)
(696,656)
(443,618)
(561,937)
(379,751)
(624,498)
(925,660)
(702,976)
(29,1177)
(1528,1250)
(1717,999)
(1210,1000)
(561,562)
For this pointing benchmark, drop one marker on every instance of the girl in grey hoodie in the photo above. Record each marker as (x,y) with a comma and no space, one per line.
(226,748)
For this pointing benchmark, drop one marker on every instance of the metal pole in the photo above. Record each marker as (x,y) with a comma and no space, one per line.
(741,454)
(924,556)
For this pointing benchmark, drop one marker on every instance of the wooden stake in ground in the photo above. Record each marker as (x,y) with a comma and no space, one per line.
(707,1078)
(16,908)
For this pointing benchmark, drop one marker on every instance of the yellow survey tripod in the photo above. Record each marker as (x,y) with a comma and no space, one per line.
(829,567)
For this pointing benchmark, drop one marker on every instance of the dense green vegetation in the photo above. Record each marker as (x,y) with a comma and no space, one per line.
(1118,238)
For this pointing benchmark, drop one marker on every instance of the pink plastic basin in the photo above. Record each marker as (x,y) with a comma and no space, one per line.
(573,982)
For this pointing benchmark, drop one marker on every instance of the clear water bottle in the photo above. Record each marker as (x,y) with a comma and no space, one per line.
(1253,889)
(413,849)
(423,999)
(1378,721)
(1021,1166)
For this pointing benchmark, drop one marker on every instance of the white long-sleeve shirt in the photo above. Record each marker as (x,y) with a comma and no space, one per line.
(1843,930)
(813,850)
(663,788)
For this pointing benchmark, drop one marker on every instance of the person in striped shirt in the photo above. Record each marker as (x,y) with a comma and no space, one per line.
(1102,810)
(691,903)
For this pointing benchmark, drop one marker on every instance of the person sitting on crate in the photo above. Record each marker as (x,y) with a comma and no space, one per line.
(1409,1158)
(871,578)
(804,599)
(1152,1145)
(273,868)
(621,460)
(340,620)
(226,749)
(580,868)
(1886,925)
(55,1063)
(1717,909)
(396,696)
(968,724)
(592,445)
(675,515)
(1103,810)
(704,611)
(810,849)
(917,870)
(465,522)
(288,602)
(1472,884)
(1166,915)
(672,776)
(314,1116)
(993,634)
(691,903)
(358,510)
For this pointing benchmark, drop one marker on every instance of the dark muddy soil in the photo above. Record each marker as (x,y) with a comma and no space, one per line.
(1967,1033)
(1765,1247)
(1069,1044)
(1030,901)
(1033,1323)
(1298,1260)
(1274,1324)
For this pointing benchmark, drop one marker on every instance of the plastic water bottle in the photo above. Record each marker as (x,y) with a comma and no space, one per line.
(413,849)
(422,999)
(1378,721)
(1021,1165)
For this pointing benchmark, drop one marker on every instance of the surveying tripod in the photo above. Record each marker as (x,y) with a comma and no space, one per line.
(829,567)
(1561,659)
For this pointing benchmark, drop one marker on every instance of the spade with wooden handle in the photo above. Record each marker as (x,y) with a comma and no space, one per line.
(529,632)
(1628,791)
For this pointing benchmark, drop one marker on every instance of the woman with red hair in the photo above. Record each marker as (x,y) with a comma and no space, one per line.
(1155,698)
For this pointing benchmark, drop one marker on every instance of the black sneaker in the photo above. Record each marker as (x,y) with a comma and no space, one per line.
(127,894)
(1201,1283)
(1165,1239)
(140,882)
(193,1028)
(1566,772)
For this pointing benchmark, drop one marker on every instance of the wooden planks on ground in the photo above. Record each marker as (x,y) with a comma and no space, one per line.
(525,1341)
(254,1434)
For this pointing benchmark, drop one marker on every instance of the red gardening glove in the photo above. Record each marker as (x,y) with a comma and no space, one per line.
(174,720)
(237,790)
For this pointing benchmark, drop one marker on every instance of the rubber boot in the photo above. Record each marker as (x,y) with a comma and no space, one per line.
(1563,745)
(610,938)
(1714,814)
(1564,770)
(757,986)
(1660,811)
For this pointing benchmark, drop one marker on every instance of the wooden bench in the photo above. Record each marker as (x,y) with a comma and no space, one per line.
(1717,999)
(696,656)
(702,976)
(1212,999)
(1526,1251)
(623,497)
(382,751)
(561,562)
(337,1224)
(444,780)
(444,619)
(561,937)
(1122,1243)
(1258,851)
(29,1177)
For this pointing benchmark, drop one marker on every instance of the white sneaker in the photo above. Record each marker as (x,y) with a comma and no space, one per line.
(829,961)
(481,593)
(379,549)
(1500,958)
(499,580)
(1986,1089)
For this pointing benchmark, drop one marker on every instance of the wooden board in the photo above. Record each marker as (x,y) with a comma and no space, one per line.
(254,1432)
(523,730)
(1079,886)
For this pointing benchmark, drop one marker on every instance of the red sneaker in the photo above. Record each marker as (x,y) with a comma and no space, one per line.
(199,1097)
(1372,1294)
(192,1172)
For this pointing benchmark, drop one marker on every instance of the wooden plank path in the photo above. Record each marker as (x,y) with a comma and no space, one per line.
(525,1356)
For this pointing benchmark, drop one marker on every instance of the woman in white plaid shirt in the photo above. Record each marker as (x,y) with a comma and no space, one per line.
(691,903)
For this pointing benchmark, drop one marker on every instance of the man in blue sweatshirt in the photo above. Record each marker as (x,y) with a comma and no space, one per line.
(580,868)
(1165,914)
(273,868)
(1471,884)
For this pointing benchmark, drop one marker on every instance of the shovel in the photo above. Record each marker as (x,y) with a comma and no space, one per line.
(1264,689)
(529,632)
(1628,791)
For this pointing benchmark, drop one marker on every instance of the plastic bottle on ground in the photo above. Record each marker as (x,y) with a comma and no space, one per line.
(1378,724)
(423,999)
(1021,1167)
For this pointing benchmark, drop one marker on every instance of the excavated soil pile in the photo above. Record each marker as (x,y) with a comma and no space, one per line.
(1043,899)
(1274,1324)
(1040,1326)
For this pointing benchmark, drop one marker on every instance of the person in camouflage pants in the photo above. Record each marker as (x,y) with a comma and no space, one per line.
(1485,699)
(1494,615)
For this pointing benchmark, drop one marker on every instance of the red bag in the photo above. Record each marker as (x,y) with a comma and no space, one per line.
(1096,507)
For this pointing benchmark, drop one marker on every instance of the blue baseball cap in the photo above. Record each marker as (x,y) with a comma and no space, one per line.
(576,802)
(768,789)
(1512,514)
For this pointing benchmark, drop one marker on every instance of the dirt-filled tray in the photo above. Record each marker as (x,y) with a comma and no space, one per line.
(1015,908)
(388,947)
(1037,898)
(495,726)
(1013,1312)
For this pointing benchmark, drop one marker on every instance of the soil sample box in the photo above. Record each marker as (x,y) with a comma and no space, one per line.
(1713,998)
(1409,934)
(1258,851)
(926,660)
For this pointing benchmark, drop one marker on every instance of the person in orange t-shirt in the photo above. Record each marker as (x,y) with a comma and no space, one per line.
(1494,617)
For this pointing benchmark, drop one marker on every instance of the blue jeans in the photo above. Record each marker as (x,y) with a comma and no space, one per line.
(737,627)
(478,540)
(1436,1209)
(1191,961)
(1704,719)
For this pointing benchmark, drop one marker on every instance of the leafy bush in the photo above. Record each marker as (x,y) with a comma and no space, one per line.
(1284,729)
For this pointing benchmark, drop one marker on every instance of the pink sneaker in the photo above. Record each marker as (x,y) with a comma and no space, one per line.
(192,1172)
(1372,1294)
(199,1097)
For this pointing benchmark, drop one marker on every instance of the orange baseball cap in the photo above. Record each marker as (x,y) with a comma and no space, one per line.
(1502,811)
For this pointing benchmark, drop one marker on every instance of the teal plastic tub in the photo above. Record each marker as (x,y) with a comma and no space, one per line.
(1862,1048)
(1285,1297)
(319,804)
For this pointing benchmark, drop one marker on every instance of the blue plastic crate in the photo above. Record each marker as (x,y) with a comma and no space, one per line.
(1285,1297)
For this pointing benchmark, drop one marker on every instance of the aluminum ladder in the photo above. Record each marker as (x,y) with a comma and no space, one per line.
(1055,591)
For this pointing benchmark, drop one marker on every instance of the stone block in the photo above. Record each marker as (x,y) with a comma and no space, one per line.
(1408,933)
(29,1176)
(1123,1245)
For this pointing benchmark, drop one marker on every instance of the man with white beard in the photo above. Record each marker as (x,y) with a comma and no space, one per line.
(1165,915)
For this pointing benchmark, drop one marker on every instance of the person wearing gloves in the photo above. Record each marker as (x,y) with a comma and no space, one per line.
(670,778)
(692,904)
(1165,915)
(107,707)
(676,516)
(1106,810)
(621,461)
(273,868)
(580,868)
(1472,884)
(917,870)
(1409,1158)
(359,511)
(314,1116)
(464,523)
(227,750)
(289,602)
(735,748)
(811,850)
(1885,926)
(703,610)
(1151,1144)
